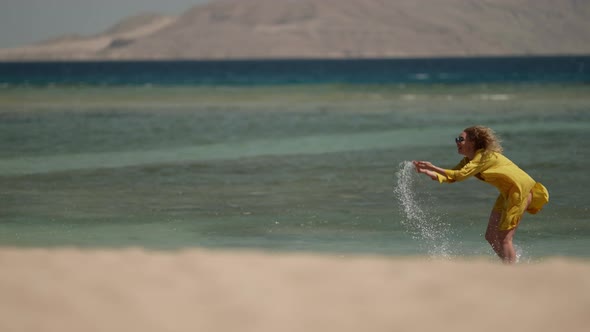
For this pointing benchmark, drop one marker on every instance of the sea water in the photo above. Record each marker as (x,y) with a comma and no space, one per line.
(422,220)
(287,155)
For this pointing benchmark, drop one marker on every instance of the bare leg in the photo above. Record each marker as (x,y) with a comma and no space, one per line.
(501,241)
(506,248)
(492,232)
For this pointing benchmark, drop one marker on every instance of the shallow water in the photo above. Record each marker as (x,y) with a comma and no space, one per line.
(295,167)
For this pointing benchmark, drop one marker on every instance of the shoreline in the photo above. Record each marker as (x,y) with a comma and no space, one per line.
(459,57)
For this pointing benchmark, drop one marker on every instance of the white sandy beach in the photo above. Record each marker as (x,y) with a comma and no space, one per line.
(201,290)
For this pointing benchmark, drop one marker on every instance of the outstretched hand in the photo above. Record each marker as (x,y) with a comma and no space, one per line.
(425,167)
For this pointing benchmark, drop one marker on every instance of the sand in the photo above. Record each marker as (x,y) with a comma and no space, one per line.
(202,290)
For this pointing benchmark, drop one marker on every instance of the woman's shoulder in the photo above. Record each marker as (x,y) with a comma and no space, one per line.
(495,157)
(489,153)
(489,156)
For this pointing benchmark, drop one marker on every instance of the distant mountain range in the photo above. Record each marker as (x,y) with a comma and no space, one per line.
(270,29)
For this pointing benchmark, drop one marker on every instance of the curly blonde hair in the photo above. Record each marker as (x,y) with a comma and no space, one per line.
(484,138)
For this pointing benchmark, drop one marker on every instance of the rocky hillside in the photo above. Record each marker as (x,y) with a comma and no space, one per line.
(238,29)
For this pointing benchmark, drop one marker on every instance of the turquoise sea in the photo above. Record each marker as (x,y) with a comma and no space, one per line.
(288,155)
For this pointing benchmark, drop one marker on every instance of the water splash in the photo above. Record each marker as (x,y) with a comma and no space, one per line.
(418,217)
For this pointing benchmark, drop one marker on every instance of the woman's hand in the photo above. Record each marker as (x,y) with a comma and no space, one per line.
(425,167)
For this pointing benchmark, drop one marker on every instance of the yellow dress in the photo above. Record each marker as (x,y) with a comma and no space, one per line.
(513,183)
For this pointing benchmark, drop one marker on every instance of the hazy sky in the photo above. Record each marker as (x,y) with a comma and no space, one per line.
(26,21)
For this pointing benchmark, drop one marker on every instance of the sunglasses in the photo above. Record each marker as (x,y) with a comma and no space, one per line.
(459,139)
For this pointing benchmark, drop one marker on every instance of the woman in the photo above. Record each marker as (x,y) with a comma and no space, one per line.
(518,191)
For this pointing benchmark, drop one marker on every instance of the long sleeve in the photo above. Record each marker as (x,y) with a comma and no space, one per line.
(464,169)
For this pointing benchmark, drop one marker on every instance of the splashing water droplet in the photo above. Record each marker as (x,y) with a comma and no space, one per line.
(418,217)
